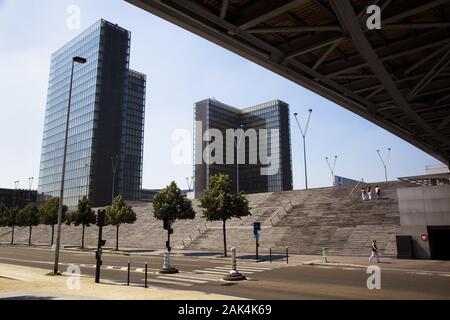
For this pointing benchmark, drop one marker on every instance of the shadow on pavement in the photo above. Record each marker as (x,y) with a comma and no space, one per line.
(276,257)
(28,298)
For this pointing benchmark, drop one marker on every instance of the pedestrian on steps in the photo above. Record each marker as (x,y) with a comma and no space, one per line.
(378,192)
(363,194)
(374,252)
(369,192)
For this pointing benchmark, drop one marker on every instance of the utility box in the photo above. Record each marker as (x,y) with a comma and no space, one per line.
(404,247)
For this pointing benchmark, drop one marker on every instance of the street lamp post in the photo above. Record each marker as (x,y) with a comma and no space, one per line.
(304,142)
(237,144)
(332,168)
(114,168)
(61,191)
(385,163)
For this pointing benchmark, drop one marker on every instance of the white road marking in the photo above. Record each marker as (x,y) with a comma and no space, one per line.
(227,270)
(174,277)
(212,272)
(169,282)
(139,270)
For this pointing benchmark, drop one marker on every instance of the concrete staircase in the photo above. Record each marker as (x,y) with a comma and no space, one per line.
(316,218)
(322,217)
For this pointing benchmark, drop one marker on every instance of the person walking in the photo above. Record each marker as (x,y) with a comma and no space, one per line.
(363,194)
(369,192)
(378,192)
(374,252)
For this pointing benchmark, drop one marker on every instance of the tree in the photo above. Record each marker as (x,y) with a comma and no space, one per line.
(49,214)
(220,204)
(8,218)
(169,205)
(119,213)
(28,217)
(84,216)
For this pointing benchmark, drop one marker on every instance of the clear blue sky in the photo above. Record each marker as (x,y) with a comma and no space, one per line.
(181,69)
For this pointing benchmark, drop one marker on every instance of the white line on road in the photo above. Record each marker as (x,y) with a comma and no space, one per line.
(169,282)
(174,277)
(212,272)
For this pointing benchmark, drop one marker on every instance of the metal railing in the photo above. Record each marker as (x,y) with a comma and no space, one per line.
(194,235)
(354,188)
(281,212)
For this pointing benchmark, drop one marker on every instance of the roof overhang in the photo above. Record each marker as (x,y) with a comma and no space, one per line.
(397,77)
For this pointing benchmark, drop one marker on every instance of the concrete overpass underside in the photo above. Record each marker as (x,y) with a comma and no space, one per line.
(397,77)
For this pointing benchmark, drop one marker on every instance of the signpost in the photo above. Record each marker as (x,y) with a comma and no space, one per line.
(98,253)
(256,229)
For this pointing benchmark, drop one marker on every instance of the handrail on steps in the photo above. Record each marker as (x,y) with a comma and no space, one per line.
(284,213)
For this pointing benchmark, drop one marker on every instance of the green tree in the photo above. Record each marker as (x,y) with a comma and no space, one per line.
(28,217)
(8,218)
(84,216)
(119,213)
(220,204)
(49,214)
(169,205)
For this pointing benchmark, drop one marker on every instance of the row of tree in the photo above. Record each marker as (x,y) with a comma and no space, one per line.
(117,214)
(218,204)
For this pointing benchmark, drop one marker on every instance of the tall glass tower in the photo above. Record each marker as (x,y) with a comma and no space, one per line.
(272,116)
(106,120)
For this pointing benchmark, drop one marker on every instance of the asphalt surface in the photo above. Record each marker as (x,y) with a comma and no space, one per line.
(277,280)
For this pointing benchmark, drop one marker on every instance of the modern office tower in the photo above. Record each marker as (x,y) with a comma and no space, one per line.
(272,116)
(106,119)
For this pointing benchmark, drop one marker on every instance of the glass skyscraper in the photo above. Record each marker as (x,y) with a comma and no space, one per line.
(106,119)
(272,116)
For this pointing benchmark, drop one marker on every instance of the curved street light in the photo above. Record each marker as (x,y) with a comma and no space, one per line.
(304,142)
(79,60)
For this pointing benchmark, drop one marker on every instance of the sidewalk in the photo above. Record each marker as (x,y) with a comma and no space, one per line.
(24,283)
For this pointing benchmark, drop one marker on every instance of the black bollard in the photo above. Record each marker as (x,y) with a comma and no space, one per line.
(146,286)
(270,255)
(128,276)
(287,255)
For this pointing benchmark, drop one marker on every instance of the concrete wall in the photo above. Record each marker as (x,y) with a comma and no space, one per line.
(421,207)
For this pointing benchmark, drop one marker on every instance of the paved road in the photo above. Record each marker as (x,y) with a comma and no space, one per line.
(266,280)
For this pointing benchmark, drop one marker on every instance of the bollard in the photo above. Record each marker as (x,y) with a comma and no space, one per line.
(145,285)
(234,275)
(270,255)
(128,277)
(287,255)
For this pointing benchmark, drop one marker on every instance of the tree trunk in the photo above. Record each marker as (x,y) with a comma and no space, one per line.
(82,239)
(117,238)
(29,236)
(224,240)
(12,236)
(168,237)
(53,233)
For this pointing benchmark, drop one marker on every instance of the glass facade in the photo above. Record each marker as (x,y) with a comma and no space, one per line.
(213,114)
(98,107)
(133,137)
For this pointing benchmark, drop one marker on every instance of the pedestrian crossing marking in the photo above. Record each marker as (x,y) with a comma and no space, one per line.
(174,277)
(212,272)
(170,282)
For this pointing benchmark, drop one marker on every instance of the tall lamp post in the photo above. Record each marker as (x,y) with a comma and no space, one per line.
(190,181)
(385,163)
(114,162)
(61,192)
(304,142)
(332,168)
(237,144)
